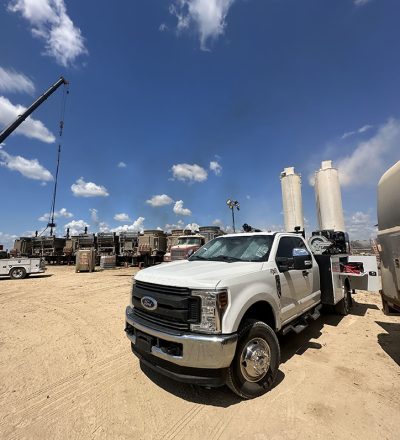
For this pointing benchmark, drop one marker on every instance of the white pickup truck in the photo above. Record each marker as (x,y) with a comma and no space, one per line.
(19,268)
(214,318)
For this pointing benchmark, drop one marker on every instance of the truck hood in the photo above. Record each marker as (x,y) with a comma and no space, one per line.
(196,274)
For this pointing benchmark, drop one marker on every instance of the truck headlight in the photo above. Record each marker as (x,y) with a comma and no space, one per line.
(213,305)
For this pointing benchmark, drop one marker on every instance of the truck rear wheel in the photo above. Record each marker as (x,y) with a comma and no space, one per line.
(344,305)
(17,273)
(256,362)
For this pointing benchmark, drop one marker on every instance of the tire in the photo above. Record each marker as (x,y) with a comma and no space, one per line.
(242,377)
(345,304)
(17,273)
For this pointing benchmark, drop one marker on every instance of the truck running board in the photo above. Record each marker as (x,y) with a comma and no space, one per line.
(302,323)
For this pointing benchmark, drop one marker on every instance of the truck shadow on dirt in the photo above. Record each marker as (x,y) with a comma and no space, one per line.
(390,341)
(291,344)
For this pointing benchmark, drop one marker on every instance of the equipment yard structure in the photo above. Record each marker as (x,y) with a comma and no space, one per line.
(67,372)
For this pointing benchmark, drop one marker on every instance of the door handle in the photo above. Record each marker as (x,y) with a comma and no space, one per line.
(305,273)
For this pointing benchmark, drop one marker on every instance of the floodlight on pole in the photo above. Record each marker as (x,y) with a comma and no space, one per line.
(232,204)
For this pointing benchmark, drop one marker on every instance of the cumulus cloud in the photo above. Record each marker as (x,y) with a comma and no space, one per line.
(50,22)
(367,162)
(30,168)
(62,213)
(206,17)
(12,81)
(169,227)
(362,129)
(189,173)
(136,226)
(122,217)
(160,200)
(180,210)
(216,167)
(193,227)
(7,240)
(121,165)
(31,128)
(76,227)
(361,226)
(88,189)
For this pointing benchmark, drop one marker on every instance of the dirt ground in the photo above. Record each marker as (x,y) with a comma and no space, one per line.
(67,372)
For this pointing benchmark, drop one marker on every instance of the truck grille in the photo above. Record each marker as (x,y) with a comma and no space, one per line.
(178,254)
(176,308)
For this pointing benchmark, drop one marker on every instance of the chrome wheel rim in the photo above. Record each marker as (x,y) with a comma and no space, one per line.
(18,273)
(255,359)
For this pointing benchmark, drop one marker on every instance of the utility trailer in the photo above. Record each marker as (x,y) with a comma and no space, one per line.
(48,247)
(128,245)
(107,243)
(19,268)
(152,247)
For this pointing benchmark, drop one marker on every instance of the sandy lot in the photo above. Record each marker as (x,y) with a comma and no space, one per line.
(67,372)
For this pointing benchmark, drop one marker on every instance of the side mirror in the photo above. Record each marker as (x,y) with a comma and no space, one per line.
(283,264)
(301,259)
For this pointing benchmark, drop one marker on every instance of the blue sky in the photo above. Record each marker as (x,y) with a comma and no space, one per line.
(195,101)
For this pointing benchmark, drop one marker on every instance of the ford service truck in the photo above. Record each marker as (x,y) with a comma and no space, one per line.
(19,268)
(214,318)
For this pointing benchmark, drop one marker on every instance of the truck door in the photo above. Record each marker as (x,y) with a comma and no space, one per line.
(299,288)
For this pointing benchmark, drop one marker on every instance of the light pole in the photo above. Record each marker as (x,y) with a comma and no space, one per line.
(232,204)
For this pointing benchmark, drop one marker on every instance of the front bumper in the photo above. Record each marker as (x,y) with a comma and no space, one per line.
(186,350)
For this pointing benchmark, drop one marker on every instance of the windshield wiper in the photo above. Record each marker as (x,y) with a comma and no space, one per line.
(226,258)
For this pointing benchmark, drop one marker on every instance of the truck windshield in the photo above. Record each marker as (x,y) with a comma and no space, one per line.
(240,248)
(189,241)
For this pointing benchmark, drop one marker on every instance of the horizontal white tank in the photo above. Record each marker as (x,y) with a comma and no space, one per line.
(291,198)
(329,198)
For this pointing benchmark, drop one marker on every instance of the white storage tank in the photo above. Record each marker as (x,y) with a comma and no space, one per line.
(329,198)
(291,198)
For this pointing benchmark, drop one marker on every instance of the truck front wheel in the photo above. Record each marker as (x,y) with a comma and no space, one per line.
(17,273)
(256,362)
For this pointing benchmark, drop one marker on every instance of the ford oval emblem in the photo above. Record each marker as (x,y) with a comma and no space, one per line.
(149,303)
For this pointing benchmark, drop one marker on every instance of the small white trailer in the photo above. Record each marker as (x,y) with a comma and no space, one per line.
(19,268)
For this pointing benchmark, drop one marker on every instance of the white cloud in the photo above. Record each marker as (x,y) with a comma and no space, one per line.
(88,189)
(163,27)
(94,215)
(7,240)
(122,217)
(180,210)
(216,167)
(57,214)
(76,227)
(121,165)
(194,227)
(208,17)
(366,163)
(29,168)
(12,81)
(361,2)
(136,226)
(360,226)
(190,173)
(160,200)
(31,128)
(169,227)
(50,22)
(362,129)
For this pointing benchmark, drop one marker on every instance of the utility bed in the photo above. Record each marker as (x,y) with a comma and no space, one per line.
(19,268)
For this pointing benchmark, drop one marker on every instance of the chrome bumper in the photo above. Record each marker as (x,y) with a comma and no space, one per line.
(198,351)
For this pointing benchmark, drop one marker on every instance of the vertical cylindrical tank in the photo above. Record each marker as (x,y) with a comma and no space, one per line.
(291,198)
(329,198)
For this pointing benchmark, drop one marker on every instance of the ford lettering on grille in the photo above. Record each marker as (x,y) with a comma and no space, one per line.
(149,303)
